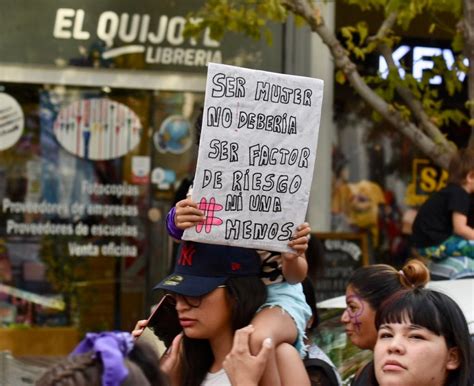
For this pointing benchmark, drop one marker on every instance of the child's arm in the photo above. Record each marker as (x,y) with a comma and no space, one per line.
(182,216)
(187,214)
(460,227)
(294,265)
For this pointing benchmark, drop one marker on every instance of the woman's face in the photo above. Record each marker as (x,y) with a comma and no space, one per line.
(410,355)
(211,318)
(359,321)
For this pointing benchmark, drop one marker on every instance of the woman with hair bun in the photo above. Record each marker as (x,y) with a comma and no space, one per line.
(367,289)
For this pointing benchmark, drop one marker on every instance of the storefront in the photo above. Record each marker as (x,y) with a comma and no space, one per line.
(97,111)
(380,178)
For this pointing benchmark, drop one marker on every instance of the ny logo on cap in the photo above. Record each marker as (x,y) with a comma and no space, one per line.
(187,254)
(235,266)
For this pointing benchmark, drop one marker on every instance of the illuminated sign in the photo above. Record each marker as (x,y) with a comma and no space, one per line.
(422,60)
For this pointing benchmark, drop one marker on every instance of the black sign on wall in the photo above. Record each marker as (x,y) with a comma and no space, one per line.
(343,253)
(127,34)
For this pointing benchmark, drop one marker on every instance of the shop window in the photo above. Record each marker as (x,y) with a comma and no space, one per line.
(86,178)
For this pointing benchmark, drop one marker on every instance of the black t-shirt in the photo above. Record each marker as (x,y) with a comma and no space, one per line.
(433,223)
(470,216)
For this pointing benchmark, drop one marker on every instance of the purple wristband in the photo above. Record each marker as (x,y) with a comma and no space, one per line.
(173,230)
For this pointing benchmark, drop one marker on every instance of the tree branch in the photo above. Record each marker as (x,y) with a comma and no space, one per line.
(438,152)
(414,104)
(385,28)
(469,52)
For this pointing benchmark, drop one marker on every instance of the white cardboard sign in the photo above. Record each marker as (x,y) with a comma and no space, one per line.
(256,156)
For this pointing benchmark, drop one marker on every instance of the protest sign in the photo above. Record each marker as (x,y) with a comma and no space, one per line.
(256,156)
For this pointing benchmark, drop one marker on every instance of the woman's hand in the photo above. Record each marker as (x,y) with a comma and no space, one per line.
(187,214)
(170,362)
(139,327)
(243,368)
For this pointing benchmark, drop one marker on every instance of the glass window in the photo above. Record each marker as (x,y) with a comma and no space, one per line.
(87,176)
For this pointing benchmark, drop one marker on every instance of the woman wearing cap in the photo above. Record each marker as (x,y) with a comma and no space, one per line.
(368,288)
(285,314)
(217,291)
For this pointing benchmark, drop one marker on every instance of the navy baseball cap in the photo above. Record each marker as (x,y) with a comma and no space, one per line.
(201,268)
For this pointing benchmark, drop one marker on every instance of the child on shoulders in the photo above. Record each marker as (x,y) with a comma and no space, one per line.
(285,314)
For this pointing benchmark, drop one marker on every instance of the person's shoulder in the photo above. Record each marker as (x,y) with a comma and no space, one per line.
(320,372)
(454,188)
(365,376)
(456,193)
(446,194)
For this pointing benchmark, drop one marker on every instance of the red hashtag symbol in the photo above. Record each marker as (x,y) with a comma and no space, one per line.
(209,209)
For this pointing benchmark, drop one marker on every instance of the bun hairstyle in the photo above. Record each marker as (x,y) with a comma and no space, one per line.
(376,283)
(414,274)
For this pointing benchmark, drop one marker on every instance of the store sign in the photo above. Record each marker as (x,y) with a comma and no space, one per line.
(126,33)
(428,178)
(145,35)
(421,59)
(256,156)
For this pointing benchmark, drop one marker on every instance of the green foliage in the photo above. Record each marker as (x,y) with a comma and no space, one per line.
(423,91)
(243,16)
(299,21)
(356,39)
(376,117)
(340,77)
(360,40)
(403,110)
(407,10)
(457,43)
(453,7)
(469,105)
(450,76)
(452,115)
(368,5)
